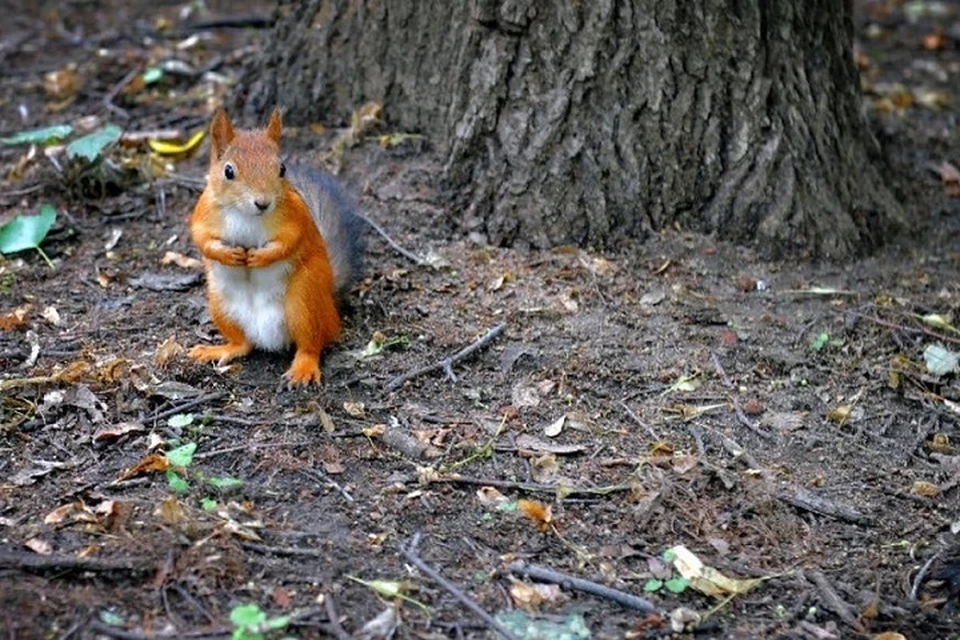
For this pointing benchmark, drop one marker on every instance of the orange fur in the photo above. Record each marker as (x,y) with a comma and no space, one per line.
(257,202)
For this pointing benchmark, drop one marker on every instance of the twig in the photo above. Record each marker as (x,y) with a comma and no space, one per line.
(922,576)
(186,405)
(248,447)
(322,477)
(586,586)
(17,560)
(893,325)
(247,21)
(393,243)
(636,418)
(409,551)
(335,627)
(735,400)
(805,500)
(283,551)
(532,487)
(833,601)
(447,363)
(115,91)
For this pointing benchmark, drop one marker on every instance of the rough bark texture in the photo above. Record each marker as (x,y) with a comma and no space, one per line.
(565,121)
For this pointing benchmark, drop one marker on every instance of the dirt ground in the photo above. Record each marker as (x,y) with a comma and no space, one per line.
(775,419)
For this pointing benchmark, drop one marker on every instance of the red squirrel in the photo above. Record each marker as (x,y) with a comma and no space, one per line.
(281,245)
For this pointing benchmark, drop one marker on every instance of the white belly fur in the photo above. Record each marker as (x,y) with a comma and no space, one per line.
(253,298)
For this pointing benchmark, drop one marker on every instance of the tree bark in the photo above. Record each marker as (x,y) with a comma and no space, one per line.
(565,121)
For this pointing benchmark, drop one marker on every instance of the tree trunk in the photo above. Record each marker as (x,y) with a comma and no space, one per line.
(565,121)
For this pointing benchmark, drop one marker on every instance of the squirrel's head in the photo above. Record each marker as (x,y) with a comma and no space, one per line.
(246,173)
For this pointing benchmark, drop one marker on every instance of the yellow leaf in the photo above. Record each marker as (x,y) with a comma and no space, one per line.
(174,149)
(707,580)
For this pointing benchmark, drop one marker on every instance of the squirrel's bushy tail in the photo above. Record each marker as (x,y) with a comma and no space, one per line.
(336,217)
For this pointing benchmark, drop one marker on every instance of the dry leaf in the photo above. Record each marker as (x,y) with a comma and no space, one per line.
(170,510)
(186,262)
(51,315)
(554,428)
(16,318)
(491,498)
(151,463)
(545,468)
(59,514)
(540,513)
(355,409)
(530,596)
(167,351)
(924,488)
(704,579)
(531,443)
(39,546)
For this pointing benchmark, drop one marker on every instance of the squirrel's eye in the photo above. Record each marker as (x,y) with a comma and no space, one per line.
(283,169)
(228,171)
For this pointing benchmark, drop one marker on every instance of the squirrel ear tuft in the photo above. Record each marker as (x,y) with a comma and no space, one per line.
(221,132)
(275,126)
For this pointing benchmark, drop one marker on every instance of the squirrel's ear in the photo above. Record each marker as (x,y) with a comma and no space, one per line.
(221,132)
(275,126)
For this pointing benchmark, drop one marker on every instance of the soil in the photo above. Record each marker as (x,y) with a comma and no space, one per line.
(776,419)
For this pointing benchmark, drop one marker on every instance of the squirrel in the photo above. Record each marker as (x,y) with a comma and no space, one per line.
(282,245)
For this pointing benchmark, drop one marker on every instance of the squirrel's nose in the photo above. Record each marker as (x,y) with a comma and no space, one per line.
(261,205)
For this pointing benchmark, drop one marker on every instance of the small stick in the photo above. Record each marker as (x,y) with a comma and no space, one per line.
(636,418)
(922,576)
(393,243)
(15,560)
(283,551)
(186,405)
(833,601)
(531,487)
(322,477)
(447,363)
(409,551)
(807,501)
(115,91)
(335,627)
(586,586)
(247,447)
(736,402)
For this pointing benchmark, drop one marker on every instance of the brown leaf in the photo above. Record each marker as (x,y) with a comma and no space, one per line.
(151,463)
(16,318)
(186,262)
(167,351)
(540,513)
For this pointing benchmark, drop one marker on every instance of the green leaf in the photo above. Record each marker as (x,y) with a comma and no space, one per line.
(180,420)
(676,585)
(652,585)
(39,136)
(27,232)
(247,615)
(176,483)
(278,623)
(152,75)
(226,483)
(940,360)
(669,556)
(182,456)
(527,627)
(111,618)
(90,146)
(208,504)
(820,341)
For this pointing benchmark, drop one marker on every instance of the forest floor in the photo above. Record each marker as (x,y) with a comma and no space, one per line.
(776,420)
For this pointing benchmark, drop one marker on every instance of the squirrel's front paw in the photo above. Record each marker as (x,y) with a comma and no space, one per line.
(235,257)
(258,258)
